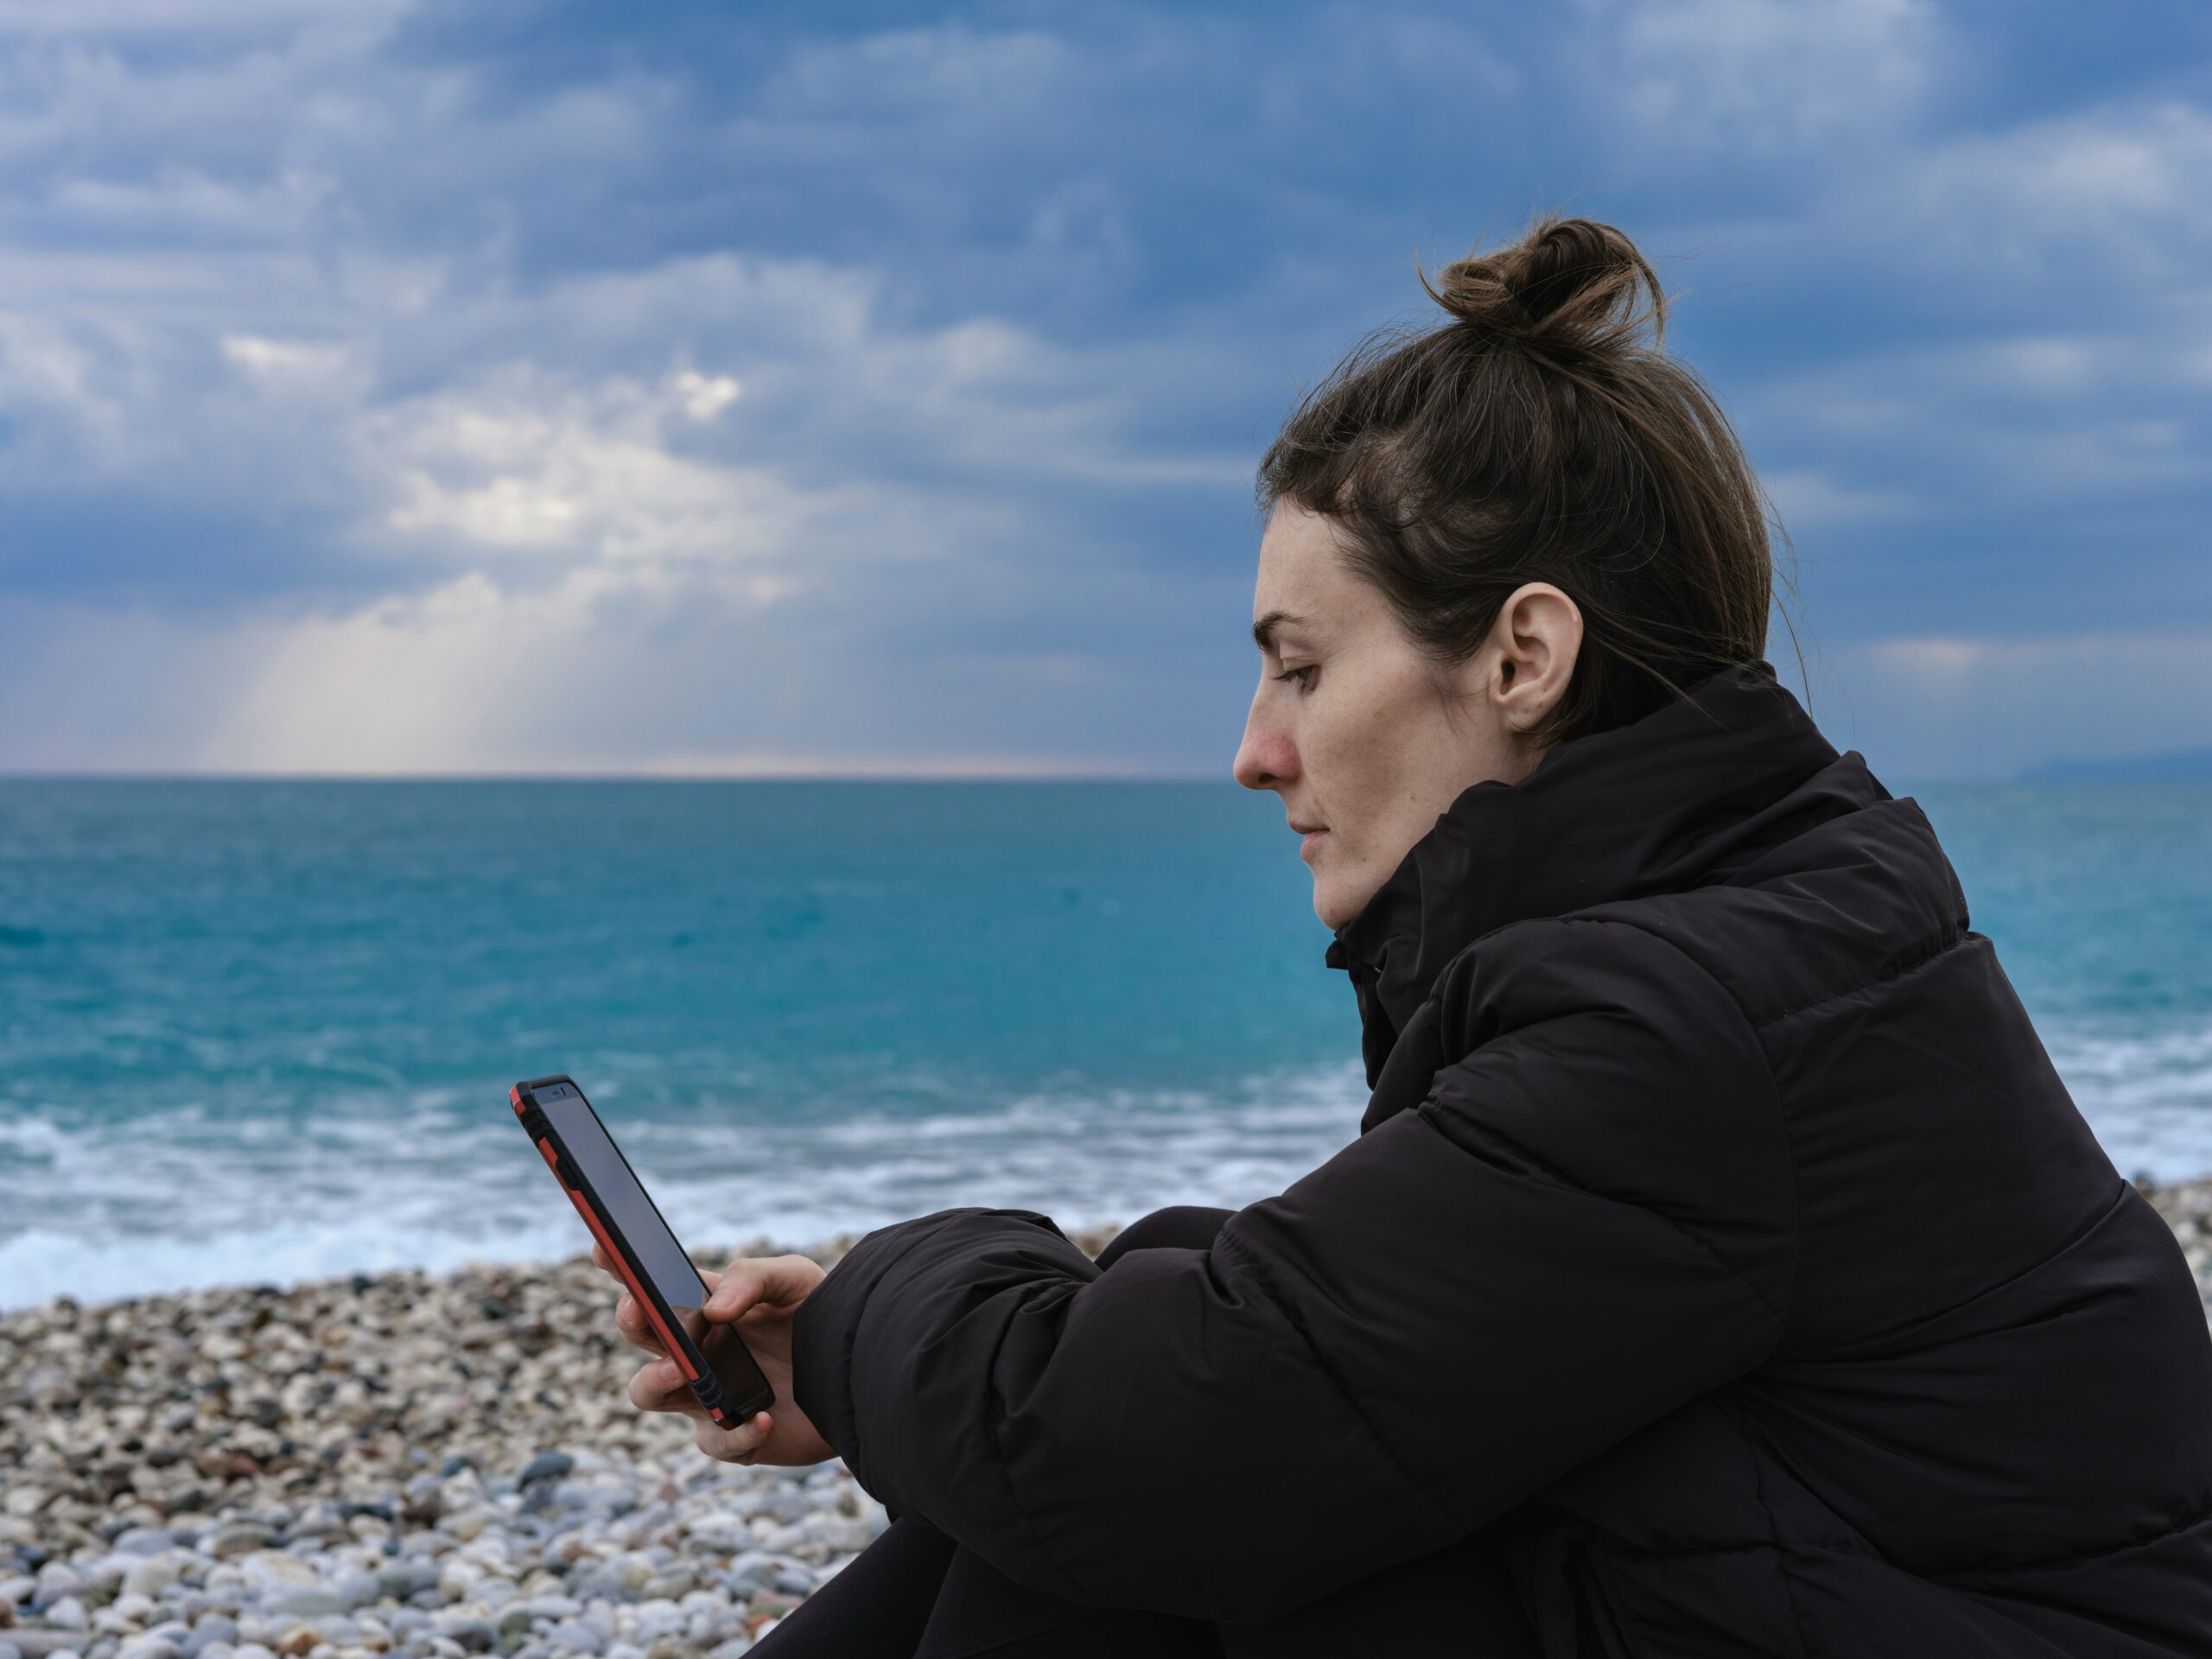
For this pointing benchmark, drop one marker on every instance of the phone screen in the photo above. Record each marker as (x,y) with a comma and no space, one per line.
(602,1164)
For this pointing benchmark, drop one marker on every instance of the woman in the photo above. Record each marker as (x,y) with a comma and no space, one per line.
(1720,1268)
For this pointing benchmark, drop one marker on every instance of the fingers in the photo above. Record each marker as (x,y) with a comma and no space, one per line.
(660,1386)
(768,1281)
(739,1444)
(634,1328)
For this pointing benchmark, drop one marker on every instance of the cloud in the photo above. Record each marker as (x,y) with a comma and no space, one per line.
(1761,81)
(1803,497)
(1956,706)
(2101,198)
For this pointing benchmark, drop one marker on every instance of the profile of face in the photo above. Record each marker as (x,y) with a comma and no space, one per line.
(1365,740)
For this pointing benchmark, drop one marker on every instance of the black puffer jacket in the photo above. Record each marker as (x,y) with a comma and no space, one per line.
(1717,1228)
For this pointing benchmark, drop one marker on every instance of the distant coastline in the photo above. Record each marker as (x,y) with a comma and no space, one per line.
(2166,766)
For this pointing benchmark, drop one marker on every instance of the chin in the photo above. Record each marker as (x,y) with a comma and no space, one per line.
(1329,907)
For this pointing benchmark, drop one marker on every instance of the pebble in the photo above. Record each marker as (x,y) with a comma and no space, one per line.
(304,1602)
(546,1465)
(151,1576)
(474,1635)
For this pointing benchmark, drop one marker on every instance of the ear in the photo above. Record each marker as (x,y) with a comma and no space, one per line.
(1533,645)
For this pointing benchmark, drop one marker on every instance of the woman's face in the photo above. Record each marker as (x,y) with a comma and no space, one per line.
(1367,743)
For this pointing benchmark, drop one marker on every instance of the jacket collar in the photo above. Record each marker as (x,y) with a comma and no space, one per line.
(1672,801)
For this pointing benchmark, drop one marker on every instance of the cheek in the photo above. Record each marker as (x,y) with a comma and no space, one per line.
(1368,733)
(1347,763)
(1370,757)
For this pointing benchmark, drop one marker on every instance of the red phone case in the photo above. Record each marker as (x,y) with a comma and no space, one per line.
(724,1412)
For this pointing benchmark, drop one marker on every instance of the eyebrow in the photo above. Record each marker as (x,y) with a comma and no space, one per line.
(1263,631)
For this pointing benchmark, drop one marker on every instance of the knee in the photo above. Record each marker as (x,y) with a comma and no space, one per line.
(1182,1226)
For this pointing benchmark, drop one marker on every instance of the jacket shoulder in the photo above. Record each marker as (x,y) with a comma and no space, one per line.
(1858,900)
(1615,961)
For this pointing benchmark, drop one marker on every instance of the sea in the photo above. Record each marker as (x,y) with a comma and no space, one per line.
(254,1032)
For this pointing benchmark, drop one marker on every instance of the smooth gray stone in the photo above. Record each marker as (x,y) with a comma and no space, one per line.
(408,1578)
(215,1627)
(150,1577)
(240,1538)
(474,1635)
(305,1601)
(546,1465)
(784,1501)
(751,1570)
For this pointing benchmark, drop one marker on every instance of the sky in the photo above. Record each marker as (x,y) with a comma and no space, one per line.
(514,387)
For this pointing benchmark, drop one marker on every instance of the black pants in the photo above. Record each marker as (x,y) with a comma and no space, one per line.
(915,1594)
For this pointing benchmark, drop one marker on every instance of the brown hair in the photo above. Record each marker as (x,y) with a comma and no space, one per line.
(1538,437)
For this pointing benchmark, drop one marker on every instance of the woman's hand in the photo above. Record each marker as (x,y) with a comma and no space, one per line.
(758,1295)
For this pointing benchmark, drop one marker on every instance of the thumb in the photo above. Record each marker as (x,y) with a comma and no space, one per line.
(775,1280)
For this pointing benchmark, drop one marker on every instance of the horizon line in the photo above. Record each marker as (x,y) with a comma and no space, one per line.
(2025,779)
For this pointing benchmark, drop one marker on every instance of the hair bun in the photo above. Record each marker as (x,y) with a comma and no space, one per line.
(1571,281)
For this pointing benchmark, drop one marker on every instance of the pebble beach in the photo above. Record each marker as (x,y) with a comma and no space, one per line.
(434,1465)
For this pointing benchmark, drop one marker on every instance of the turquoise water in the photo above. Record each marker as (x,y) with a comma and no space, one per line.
(265,1030)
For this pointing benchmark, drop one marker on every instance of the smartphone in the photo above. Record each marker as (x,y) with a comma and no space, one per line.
(607,1194)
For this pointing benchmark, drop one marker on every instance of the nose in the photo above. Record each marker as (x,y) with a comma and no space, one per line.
(1267,758)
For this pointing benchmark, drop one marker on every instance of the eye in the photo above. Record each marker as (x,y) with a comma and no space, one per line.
(1304,683)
